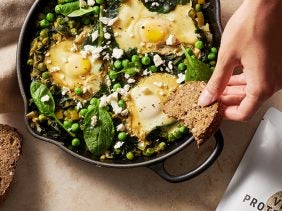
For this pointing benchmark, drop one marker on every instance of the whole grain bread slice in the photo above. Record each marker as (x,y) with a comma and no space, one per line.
(10,149)
(182,104)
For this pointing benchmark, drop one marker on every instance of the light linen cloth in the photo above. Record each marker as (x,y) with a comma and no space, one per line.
(12,15)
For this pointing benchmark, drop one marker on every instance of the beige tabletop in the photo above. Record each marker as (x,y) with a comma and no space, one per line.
(49,179)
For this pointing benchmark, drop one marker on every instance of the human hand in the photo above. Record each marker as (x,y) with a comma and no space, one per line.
(251,40)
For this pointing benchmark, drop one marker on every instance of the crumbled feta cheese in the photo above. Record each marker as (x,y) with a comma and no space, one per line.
(45,98)
(103,101)
(171,40)
(181,78)
(94,120)
(124,91)
(127,76)
(107,36)
(131,81)
(112,97)
(145,72)
(79,105)
(82,3)
(91,2)
(108,81)
(108,21)
(118,145)
(65,90)
(117,53)
(94,35)
(121,127)
(170,65)
(55,69)
(157,60)
(124,112)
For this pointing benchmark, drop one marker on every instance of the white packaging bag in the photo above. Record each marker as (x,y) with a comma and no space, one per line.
(257,183)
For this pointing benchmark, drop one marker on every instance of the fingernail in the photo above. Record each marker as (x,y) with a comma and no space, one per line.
(205,98)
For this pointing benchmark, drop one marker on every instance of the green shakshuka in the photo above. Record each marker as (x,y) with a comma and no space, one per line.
(102,70)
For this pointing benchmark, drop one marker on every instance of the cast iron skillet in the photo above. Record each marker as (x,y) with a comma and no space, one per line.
(155,163)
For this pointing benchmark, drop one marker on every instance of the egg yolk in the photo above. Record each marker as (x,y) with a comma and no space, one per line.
(153,33)
(77,66)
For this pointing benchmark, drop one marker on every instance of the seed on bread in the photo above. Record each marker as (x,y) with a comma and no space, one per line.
(10,149)
(182,104)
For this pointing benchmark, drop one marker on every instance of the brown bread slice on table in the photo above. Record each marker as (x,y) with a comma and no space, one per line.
(10,149)
(182,104)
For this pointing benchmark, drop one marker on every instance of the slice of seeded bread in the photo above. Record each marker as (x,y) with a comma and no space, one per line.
(10,149)
(183,105)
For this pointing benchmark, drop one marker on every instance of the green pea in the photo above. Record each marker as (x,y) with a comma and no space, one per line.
(162,145)
(100,1)
(42,67)
(183,129)
(199,44)
(153,69)
(67,123)
(213,63)
(43,33)
(171,137)
(146,60)
(73,31)
(75,127)
(45,41)
(125,62)
(83,112)
(214,50)
(71,24)
(45,75)
(116,86)
(96,10)
(42,118)
(118,64)
(211,56)
(44,23)
(132,71)
(75,142)
(182,67)
(130,155)
(137,64)
(50,17)
(30,62)
(122,104)
(78,91)
(149,151)
(94,101)
(198,7)
(113,74)
(135,58)
(122,136)
(177,134)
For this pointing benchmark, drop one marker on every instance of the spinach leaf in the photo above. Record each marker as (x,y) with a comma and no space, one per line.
(196,69)
(46,106)
(163,6)
(68,8)
(81,12)
(39,90)
(98,138)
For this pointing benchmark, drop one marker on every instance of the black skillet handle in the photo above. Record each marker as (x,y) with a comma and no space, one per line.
(162,172)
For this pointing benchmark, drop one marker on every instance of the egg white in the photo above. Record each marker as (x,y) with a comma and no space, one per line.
(137,27)
(145,104)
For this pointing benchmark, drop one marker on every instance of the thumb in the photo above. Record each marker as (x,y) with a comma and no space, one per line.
(219,79)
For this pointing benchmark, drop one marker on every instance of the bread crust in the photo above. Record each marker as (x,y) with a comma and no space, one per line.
(182,104)
(10,150)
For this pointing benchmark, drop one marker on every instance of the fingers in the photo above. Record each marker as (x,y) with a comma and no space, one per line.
(230,100)
(237,80)
(219,79)
(243,110)
(235,90)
